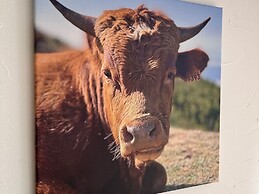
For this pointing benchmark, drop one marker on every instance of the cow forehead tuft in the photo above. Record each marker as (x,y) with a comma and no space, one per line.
(135,24)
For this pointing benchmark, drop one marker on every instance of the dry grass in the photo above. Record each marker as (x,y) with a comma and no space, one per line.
(191,158)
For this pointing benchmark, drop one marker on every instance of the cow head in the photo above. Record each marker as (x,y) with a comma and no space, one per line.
(138,50)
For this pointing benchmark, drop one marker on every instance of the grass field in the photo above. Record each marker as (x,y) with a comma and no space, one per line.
(191,158)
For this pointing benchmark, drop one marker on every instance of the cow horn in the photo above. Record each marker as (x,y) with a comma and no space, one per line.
(85,23)
(187,33)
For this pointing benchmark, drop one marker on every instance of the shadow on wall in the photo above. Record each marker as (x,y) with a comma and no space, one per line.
(175,187)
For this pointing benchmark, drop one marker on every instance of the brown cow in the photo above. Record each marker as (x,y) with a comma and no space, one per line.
(102,115)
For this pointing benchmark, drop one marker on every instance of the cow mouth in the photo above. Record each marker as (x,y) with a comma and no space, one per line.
(149,153)
(150,150)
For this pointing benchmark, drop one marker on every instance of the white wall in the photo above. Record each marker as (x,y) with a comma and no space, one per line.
(239,141)
(16,98)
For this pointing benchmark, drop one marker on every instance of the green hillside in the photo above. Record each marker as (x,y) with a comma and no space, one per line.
(44,43)
(196,105)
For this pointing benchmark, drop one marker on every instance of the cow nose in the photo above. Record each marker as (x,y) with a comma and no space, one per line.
(139,130)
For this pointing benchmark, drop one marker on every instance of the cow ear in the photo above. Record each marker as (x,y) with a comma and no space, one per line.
(190,64)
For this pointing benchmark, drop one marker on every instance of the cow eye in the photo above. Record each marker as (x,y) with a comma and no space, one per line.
(170,75)
(107,74)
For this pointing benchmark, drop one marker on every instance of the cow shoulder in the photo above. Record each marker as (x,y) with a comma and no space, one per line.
(56,88)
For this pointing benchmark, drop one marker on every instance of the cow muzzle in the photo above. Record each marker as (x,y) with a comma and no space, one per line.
(143,139)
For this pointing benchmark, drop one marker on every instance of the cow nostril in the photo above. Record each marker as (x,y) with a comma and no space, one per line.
(127,136)
(152,131)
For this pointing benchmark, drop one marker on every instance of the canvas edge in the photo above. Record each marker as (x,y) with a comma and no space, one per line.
(15,152)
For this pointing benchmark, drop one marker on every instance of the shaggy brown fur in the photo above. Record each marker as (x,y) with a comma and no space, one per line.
(102,115)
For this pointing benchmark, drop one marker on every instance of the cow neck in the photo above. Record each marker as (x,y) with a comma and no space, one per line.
(101,104)
(93,94)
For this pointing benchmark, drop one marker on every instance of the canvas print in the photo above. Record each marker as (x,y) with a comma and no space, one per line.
(127,96)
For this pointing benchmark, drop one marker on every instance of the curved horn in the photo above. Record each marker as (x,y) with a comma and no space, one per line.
(187,33)
(85,23)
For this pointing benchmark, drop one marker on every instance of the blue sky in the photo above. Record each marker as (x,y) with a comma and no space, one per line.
(50,21)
